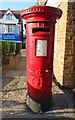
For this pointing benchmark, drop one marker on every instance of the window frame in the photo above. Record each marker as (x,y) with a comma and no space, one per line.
(9,16)
(9,28)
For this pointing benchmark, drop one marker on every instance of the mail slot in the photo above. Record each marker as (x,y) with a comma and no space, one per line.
(40,28)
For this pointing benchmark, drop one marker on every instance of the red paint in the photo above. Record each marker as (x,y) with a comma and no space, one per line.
(40,24)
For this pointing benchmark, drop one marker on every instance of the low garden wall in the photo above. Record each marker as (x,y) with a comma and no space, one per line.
(10,55)
(13,60)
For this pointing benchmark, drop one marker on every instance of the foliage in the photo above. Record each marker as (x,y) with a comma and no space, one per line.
(10,47)
(5,48)
(18,47)
(0,45)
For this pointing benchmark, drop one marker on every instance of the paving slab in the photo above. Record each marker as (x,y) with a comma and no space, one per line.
(23,52)
(13,74)
(14,99)
(21,66)
(14,104)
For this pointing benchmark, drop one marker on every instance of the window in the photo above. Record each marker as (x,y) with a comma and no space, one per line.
(20,28)
(9,29)
(9,17)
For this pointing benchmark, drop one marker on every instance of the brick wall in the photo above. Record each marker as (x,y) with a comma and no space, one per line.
(13,60)
(64,62)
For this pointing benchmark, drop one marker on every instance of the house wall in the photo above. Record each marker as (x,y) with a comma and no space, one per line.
(64,52)
(14,22)
(69,62)
(1,29)
(15,27)
(64,63)
(60,45)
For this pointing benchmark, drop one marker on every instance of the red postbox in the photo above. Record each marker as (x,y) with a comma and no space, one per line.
(40,28)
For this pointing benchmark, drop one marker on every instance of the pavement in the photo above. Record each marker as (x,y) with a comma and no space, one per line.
(13,98)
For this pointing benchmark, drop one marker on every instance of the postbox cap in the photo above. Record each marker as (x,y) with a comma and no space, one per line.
(41,10)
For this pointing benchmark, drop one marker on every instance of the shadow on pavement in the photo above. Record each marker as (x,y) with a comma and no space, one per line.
(58,118)
(61,109)
(14,105)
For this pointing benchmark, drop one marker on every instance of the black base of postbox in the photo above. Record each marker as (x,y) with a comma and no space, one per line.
(39,105)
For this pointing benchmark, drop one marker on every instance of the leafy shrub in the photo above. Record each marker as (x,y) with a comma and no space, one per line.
(12,47)
(5,47)
(0,53)
(8,47)
(18,47)
(0,45)
(0,48)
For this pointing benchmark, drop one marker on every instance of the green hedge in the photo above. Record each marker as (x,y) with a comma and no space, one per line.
(18,47)
(12,47)
(5,48)
(9,47)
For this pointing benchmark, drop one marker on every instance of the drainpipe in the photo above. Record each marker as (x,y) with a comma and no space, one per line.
(45,2)
(22,33)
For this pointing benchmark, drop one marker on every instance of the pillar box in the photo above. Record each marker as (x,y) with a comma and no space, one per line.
(40,28)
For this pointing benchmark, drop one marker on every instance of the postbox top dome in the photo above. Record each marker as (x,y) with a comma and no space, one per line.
(41,9)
